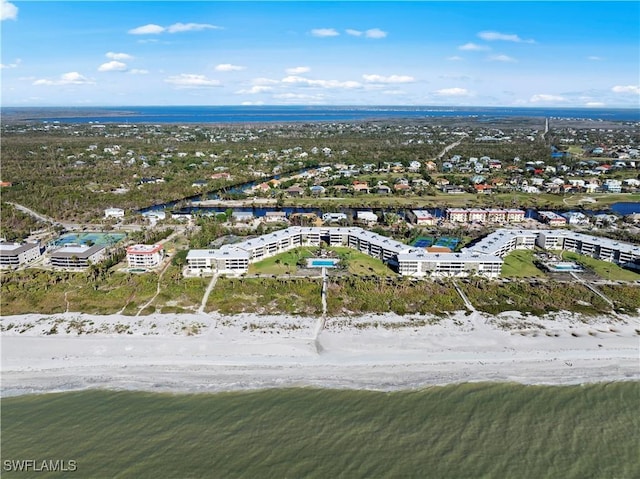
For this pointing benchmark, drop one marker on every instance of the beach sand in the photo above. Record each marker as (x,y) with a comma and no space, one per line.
(212,353)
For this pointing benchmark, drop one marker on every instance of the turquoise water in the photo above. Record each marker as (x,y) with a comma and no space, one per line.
(327,263)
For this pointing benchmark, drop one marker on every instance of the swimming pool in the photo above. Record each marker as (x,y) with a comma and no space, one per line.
(322,263)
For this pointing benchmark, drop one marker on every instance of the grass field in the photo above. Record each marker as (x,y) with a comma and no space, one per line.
(604,269)
(461,431)
(519,264)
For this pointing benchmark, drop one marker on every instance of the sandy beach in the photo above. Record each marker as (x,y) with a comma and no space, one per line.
(211,353)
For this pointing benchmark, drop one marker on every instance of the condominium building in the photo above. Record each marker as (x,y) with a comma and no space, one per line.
(483,258)
(13,255)
(144,256)
(77,257)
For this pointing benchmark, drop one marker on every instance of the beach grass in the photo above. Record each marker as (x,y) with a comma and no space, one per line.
(458,431)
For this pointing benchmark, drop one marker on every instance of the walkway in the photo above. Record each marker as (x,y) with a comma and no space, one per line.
(205,298)
(466,301)
(449,147)
(592,288)
(148,303)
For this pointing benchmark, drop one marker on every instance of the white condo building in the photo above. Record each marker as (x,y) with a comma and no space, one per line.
(483,258)
(13,255)
(144,256)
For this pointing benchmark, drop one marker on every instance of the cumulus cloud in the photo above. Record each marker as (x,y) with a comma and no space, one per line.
(375,33)
(473,47)
(594,103)
(255,89)
(371,33)
(264,81)
(190,27)
(635,89)
(8,11)
(455,58)
(118,56)
(452,92)
(228,67)
(324,32)
(112,66)
(71,78)
(137,71)
(501,58)
(546,98)
(507,37)
(15,64)
(298,96)
(297,70)
(189,80)
(297,80)
(153,29)
(150,29)
(389,79)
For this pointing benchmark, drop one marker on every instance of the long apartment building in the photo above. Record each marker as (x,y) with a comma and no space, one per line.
(483,258)
(408,260)
(469,215)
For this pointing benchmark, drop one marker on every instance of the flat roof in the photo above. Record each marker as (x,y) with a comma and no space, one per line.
(10,249)
(144,248)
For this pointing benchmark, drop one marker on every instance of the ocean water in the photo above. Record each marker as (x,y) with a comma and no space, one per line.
(283,114)
(459,431)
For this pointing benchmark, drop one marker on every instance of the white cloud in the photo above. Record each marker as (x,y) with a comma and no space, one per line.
(228,67)
(455,58)
(502,58)
(297,80)
(264,81)
(255,89)
(112,66)
(324,32)
(8,11)
(118,56)
(15,64)
(190,27)
(189,80)
(594,103)
(546,98)
(297,70)
(507,37)
(452,92)
(353,33)
(137,71)
(252,103)
(594,58)
(473,47)
(71,78)
(298,96)
(153,29)
(389,79)
(375,33)
(150,29)
(635,89)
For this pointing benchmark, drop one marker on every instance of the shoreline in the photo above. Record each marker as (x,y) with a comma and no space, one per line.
(205,353)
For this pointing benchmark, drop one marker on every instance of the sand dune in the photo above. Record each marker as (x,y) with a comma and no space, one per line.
(207,353)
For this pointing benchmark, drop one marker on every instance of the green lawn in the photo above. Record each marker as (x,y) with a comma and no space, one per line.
(519,264)
(501,431)
(362,264)
(282,263)
(604,269)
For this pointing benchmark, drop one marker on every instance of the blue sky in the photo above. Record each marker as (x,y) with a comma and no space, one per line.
(88,53)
